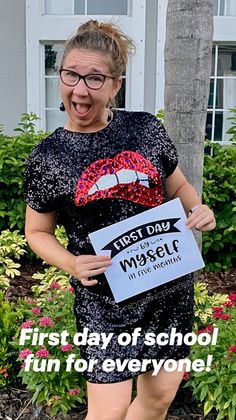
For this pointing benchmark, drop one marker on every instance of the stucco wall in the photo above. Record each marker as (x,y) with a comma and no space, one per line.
(13,63)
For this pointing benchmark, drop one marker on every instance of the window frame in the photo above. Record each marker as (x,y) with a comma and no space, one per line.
(42,29)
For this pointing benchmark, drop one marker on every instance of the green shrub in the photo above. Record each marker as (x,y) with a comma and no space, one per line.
(232,129)
(13,153)
(52,312)
(219,192)
(12,246)
(216,388)
(10,317)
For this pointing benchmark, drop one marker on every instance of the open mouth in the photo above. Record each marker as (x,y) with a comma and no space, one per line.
(81,109)
(128,175)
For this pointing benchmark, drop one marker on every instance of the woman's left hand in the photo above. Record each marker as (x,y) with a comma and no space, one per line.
(202,219)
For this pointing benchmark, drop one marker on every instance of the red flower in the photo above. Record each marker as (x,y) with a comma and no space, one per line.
(36,310)
(228,303)
(226,316)
(218,309)
(74,391)
(201,331)
(232,296)
(42,353)
(217,315)
(66,347)
(27,324)
(210,328)
(46,320)
(24,353)
(232,349)
(186,376)
(54,285)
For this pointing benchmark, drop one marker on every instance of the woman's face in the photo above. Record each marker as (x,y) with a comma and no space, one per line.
(87,108)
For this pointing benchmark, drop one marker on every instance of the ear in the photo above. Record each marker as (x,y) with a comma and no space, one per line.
(116,87)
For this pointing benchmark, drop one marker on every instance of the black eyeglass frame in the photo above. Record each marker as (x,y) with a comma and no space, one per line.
(80,77)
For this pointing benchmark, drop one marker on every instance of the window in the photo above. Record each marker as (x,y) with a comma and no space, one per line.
(86,7)
(222,92)
(224,7)
(45,36)
(53,116)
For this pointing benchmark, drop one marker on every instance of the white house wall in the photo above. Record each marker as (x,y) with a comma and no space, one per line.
(13,63)
(13,68)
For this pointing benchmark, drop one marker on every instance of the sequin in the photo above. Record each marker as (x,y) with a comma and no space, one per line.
(59,172)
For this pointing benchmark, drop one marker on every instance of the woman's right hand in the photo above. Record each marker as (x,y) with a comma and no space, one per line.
(86,267)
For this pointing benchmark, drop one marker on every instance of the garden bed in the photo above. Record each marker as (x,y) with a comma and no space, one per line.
(15,403)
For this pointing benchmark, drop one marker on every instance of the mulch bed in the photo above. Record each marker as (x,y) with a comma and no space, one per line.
(15,403)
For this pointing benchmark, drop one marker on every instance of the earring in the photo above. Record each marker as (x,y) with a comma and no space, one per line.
(62,107)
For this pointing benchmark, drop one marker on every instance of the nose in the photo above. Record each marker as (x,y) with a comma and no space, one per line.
(81,88)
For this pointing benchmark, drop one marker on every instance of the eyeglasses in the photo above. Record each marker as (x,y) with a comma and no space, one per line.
(92,81)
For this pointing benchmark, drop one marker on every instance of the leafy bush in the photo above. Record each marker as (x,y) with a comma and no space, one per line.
(12,246)
(216,388)
(204,303)
(52,312)
(13,153)
(10,317)
(219,192)
(232,129)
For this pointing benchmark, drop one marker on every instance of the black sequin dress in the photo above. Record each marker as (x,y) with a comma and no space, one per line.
(96,179)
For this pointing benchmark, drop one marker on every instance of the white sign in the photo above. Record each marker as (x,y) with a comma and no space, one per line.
(147,250)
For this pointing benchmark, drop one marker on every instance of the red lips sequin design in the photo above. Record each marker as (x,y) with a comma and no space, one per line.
(128,175)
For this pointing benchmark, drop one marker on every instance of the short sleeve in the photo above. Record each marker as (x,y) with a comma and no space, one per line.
(166,148)
(40,185)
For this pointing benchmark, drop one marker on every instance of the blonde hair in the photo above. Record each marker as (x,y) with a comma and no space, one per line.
(102,37)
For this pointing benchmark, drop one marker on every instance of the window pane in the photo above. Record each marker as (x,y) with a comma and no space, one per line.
(52,96)
(209,126)
(230,8)
(58,7)
(219,94)
(107,7)
(226,59)
(121,95)
(79,8)
(219,7)
(53,55)
(224,8)
(229,93)
(226,125)
(211,94)
(219,102)
(55,119)
(213,61)
(215,7)
(218,126)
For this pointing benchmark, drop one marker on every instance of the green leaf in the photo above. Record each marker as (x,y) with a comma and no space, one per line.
(207,407)
(233,380)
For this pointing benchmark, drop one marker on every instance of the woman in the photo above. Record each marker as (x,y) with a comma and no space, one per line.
(66,183)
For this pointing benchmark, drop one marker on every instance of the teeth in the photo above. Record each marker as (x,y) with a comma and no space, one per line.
(143,179)
(93,189)
(124,176)
(106,181)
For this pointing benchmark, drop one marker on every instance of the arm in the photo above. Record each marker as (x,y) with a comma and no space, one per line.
(177,186)
(40,234)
